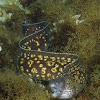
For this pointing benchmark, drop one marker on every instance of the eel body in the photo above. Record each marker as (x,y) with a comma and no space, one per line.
(63,71)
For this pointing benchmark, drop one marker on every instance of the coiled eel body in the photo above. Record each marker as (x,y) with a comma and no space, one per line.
(65,75)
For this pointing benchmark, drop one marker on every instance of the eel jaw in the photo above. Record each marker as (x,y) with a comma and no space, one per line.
(55,91)
(60,89)
(66,94)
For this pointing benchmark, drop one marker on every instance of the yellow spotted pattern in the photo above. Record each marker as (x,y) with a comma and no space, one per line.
(44,65)
(48,67)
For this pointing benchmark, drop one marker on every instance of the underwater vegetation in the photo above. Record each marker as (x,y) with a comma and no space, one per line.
(18,87)
(8,8)
(75,23)
(8,42)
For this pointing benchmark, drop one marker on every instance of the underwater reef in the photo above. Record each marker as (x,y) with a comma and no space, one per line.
(75,25)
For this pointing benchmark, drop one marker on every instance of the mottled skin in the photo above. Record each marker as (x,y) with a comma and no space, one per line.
(65,75)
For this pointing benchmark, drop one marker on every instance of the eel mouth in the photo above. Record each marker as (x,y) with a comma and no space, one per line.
(57,87)
(56,93)
(65,94)
(60,89)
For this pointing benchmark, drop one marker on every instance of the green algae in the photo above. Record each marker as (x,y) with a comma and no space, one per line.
(18,87)
(8,8)
(93,86)
(82,39)
(9,42)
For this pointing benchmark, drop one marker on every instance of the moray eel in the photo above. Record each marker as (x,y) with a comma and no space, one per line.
(65,75)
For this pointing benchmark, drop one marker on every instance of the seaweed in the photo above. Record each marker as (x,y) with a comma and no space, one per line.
(9,43)
(14,86)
